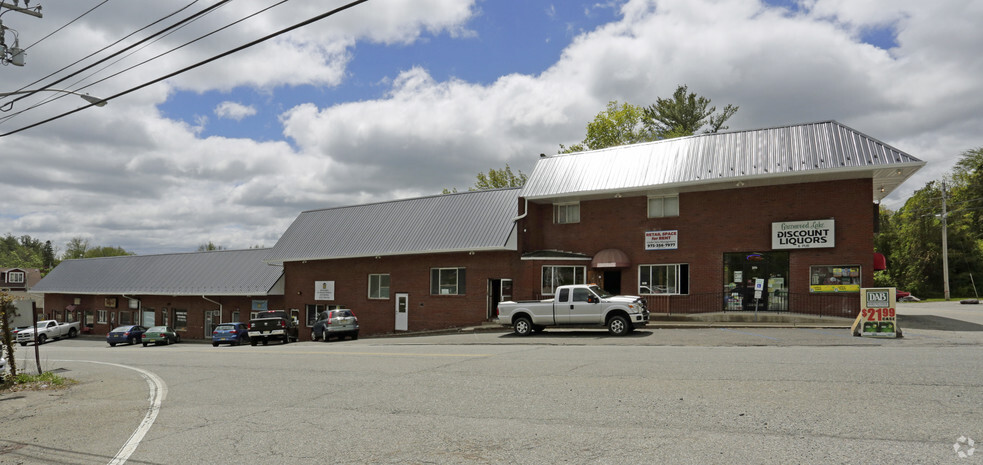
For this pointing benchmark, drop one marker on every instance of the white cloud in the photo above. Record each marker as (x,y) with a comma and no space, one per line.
(234,111)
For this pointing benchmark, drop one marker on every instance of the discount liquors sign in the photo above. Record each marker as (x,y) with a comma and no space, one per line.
(810,234)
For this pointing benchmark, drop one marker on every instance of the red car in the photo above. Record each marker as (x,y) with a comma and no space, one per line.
(901,294)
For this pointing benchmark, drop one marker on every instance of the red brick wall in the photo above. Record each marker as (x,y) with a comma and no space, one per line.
(409,274)
(710,224)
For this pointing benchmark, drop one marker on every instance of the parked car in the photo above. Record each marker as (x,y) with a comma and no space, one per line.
(335,323)
(160,335)
(13,332)
(129,334)
(899,294)
(230,333)
(47,330)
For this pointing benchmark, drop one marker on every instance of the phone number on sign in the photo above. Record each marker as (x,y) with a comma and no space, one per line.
(878,314)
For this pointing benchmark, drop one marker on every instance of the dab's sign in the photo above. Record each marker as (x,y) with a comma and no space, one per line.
(878,313)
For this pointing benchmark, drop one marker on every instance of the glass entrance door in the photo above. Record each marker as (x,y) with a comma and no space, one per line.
(742,270)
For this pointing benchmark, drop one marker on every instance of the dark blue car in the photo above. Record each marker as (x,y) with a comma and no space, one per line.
(230,333)
(129,334)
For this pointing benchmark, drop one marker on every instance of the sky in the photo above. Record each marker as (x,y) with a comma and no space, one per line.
(394,99)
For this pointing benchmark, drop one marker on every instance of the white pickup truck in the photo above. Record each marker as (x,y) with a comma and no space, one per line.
(576,305)
(48,329)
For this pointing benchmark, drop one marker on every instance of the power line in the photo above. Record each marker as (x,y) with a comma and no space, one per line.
(66,25)
(155,38)
(200,63)
(179,23)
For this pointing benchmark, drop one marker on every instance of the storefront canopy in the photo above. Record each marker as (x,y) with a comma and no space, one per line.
(610,258)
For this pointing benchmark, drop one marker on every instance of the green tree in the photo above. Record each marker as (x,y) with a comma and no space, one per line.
(209,247)
(105,251)
(617,125)
(76,248)
(495,179)
(22,252)
(915,260)
(79,247)
(684,114)
(48,260)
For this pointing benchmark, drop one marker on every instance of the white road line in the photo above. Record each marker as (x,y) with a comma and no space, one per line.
(158,391)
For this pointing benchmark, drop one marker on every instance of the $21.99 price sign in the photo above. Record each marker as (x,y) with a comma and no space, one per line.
(878,314)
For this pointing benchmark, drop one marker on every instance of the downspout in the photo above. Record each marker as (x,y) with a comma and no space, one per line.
(221,314)
(526,211)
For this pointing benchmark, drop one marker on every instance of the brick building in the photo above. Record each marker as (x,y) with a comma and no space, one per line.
(191,292)
(779,220)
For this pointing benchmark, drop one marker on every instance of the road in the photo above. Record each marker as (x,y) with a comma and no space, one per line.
(677,395)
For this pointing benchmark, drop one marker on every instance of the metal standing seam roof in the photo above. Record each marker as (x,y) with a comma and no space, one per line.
(215,273)
(465,221)
(776,155)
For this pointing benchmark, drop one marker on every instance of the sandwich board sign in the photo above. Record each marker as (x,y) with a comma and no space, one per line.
(878,313)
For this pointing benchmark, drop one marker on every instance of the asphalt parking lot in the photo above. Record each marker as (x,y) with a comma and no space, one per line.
(748,393)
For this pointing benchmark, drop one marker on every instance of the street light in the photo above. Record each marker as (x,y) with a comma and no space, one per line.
(88,98)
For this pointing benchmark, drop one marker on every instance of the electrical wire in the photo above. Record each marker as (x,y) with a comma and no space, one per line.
(198,64)
(138,43)
(244,18)
(66,25)
(143,44)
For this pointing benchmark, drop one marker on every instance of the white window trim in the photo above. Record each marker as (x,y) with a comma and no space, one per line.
(678,275)
(556,212)
(457,280)
(648,205)
(101,316)
(388,288)
(16,277)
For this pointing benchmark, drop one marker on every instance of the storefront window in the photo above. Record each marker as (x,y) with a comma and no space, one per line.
(834,278)
(447,281)
(556,276)
(663,279)
(312,312)
(180,320)
(743,270)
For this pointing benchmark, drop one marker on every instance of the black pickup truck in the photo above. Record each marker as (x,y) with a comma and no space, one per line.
(272,324)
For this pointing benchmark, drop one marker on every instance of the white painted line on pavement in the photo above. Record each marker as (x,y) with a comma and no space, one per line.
(158,390)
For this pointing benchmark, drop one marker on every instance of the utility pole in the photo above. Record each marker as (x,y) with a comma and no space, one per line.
(36,11)
(15,55)
(945,248)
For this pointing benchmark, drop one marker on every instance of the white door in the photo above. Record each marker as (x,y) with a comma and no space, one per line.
(402,311)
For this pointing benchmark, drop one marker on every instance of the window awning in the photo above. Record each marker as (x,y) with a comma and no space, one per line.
(610,258)
(880,262)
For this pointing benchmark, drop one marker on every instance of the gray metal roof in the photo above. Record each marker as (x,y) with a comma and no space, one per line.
(783,155)
(466,221)
(216,273)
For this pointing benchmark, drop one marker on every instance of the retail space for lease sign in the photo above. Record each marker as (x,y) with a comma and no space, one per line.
(809,234)
(662,240)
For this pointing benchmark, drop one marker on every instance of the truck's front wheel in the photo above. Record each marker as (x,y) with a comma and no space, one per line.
(522,327)
(42,338)
(619,325)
